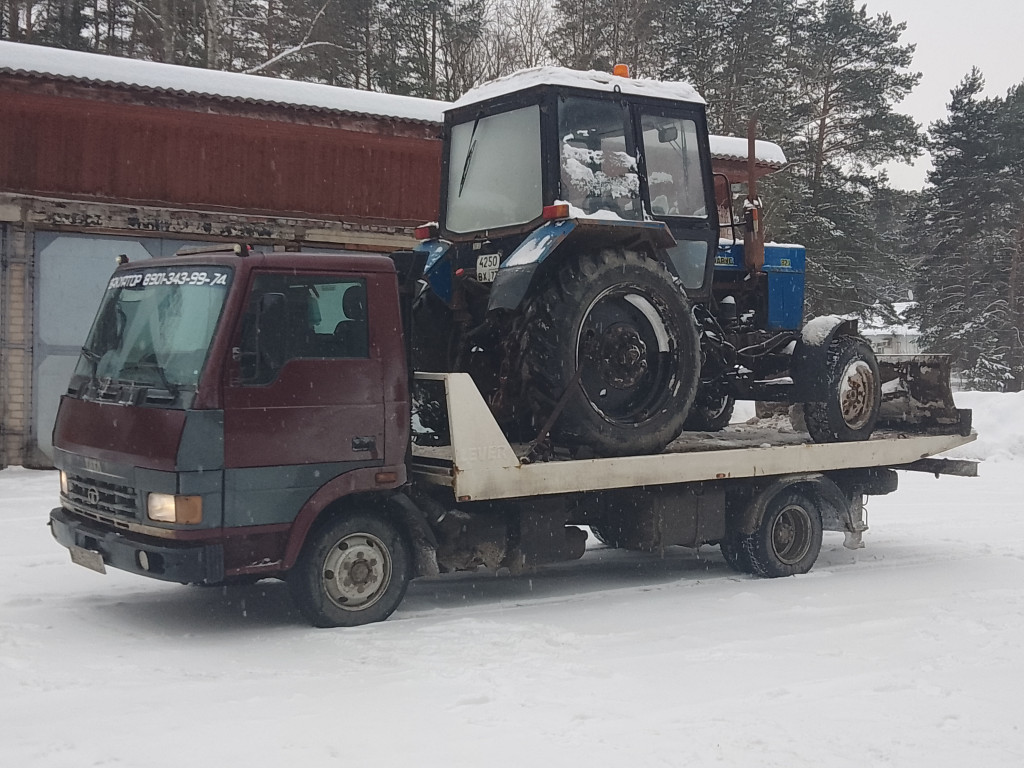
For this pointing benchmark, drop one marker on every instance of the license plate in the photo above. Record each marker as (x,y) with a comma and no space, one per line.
(487,267)
(89,559)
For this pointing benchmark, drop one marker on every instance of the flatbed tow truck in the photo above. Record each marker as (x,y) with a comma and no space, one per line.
(237,416)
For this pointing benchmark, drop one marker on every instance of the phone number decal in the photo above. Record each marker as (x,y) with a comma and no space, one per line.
(199,278)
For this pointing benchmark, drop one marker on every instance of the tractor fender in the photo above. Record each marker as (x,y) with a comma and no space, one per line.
(436,271)
(809,369)
(516,273)
(832,502)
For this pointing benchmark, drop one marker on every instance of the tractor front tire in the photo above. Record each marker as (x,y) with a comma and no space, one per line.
(624,320)
(854,394)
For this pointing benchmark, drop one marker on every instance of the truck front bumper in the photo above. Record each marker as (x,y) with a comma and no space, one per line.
(187,562)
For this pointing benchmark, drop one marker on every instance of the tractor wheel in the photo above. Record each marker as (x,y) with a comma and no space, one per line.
(711,412)
(352,571)
(788,539)
(623,320)
(854,394)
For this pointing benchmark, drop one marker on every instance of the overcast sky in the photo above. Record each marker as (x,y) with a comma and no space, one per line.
(951,37)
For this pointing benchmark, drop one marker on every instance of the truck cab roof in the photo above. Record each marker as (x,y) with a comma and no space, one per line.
(230,256)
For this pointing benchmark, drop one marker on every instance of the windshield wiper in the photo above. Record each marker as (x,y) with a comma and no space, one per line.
(167,384)
(469,155)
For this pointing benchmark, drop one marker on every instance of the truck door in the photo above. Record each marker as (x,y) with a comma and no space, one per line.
(302,401)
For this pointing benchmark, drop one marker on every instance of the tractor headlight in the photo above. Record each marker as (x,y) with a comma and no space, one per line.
(63,483)
(168,508)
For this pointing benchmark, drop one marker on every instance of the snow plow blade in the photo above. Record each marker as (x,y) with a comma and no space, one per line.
(917,395)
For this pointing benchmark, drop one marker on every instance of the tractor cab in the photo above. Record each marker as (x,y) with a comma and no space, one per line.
(627,157)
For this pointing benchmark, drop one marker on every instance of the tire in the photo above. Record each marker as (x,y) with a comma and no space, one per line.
(735,555)
(626,320)
(854,394)
(710,413)
(788,539)
(354,570)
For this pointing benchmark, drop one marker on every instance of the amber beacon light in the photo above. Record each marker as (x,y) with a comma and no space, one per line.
(621,70)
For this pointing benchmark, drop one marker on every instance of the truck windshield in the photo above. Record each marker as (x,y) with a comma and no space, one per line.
(152,333)
(494,171)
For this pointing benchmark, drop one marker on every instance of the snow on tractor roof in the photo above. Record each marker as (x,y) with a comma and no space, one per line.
(76,66)
(592,81)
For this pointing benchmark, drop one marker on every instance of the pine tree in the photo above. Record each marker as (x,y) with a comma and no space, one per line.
(971,230)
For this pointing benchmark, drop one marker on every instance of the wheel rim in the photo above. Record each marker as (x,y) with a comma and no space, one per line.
(626,352)
(357,571)
(857,394)
(791,534)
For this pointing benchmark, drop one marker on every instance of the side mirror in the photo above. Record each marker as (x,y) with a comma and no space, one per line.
(668,133)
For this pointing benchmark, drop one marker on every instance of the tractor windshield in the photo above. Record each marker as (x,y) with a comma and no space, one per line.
(494,171)
(152,333)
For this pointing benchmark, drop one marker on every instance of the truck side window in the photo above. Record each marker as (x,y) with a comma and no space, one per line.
(673,166)
(301,316)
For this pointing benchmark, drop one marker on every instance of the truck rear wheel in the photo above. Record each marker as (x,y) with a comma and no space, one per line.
(788,539)
(623,319)
(854,392)
(352,571)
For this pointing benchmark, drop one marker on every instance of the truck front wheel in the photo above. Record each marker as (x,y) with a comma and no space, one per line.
(624,322)
(352,571)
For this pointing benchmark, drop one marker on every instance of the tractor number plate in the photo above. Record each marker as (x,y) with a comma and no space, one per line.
(88,558)
(487,267)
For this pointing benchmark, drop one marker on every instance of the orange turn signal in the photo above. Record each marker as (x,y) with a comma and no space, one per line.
(560,211)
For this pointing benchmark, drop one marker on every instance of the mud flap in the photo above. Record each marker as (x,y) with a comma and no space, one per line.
(917,395)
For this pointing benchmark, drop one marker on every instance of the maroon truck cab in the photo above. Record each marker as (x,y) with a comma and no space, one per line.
(222,402)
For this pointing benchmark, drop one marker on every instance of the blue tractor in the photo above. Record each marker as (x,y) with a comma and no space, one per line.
(580,273)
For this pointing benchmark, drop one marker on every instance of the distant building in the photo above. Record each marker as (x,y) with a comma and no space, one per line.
(892,339)
(101,156)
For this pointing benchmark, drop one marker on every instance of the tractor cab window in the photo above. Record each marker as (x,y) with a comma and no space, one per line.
(301,316)
(674,175)
(598,165)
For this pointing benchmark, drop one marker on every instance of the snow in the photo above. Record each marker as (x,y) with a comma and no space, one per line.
(904,653)
(735,148)
(591,81)
(816,331)
(92,67)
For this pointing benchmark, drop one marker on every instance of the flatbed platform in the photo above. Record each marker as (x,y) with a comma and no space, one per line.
(481,464)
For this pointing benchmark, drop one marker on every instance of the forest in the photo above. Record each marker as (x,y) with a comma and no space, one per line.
(823,78)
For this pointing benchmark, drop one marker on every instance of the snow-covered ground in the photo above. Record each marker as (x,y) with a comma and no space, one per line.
(906,653)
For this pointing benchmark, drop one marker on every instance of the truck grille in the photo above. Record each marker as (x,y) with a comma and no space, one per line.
(94,496)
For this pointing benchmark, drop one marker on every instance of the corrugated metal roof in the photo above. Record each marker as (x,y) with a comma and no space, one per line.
(766,153)
(76,66)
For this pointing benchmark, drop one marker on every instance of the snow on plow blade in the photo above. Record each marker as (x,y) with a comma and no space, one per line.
(917,395)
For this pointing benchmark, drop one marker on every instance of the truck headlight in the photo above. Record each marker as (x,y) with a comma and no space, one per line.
(63,483)
(168,508)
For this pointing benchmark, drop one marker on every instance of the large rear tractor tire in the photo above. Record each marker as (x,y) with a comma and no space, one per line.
(352,571)
(854,394)
(623,319)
